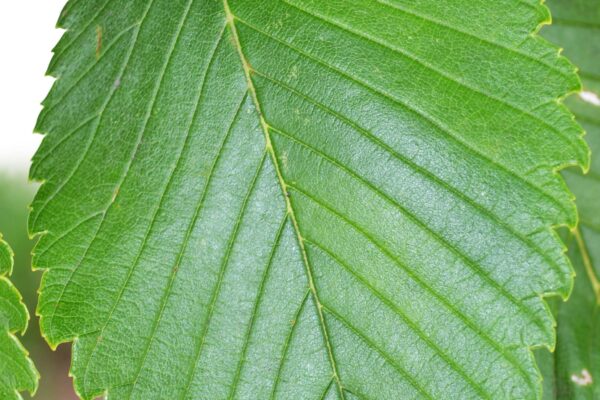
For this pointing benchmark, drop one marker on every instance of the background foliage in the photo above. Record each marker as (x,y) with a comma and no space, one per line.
(15,196)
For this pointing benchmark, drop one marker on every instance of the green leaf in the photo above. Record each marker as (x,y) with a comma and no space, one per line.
(573,371)
(304,199)
(17,372)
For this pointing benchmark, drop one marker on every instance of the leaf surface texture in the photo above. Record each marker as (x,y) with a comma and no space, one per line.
(304,199)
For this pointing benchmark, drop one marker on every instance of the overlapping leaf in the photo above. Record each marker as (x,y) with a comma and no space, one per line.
(17,372)
(573,372)
(304,199)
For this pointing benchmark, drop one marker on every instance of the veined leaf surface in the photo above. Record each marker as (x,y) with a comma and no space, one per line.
(573,372)
(304,199)
(17,372)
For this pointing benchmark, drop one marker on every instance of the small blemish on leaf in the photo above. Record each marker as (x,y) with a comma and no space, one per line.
(583,379)
(98,41)
(115,194)
(284,159)
(294,72)
(590,97)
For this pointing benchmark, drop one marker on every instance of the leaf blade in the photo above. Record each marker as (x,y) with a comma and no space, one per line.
(164,121)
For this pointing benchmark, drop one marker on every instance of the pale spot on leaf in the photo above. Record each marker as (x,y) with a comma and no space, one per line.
(583,379)
(590,97)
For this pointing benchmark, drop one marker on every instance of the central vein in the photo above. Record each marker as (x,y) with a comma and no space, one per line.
(265,127)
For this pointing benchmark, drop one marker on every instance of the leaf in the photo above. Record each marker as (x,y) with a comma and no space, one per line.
(573,372)
(17,372)
(304,199)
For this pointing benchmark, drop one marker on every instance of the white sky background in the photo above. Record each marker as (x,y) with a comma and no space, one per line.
(27,35)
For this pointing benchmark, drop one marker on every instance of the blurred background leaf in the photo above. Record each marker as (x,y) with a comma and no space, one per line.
(573,370)
(15,196)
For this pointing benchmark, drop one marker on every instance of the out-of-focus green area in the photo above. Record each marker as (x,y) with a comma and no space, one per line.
(15,196)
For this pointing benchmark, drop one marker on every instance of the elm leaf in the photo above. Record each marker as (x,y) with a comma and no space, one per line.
(304,199)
